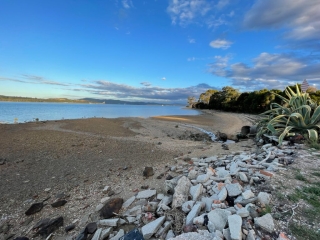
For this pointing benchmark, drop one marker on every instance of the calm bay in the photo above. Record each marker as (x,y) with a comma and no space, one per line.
(11,112)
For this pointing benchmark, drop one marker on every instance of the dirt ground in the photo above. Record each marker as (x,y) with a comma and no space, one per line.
(65,154)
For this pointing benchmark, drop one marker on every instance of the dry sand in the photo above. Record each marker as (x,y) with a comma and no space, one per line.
(80,157)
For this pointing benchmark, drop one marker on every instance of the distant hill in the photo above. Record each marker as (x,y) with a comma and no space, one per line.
(111,101)
(66,100)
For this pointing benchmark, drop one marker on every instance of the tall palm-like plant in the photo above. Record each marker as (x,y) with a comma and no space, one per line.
(298,114)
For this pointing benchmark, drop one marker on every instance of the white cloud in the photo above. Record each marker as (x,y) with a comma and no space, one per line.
(301,18)
(163,79)
(267,70)
(145,93)
(185,11)
(220,43)
(146,84)
(192,40)
(127,4)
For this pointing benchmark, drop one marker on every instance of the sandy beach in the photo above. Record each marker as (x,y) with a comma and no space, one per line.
(68,154)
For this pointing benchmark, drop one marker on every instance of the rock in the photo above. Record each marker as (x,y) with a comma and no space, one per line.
(127,203)
(34,208)
(99,207)
(146,194)
(265,222)
(282,236)
(247,194)
(69,227)
(58,203)
(187,206)
(151,228)
(21,238)
(112,222)
(243,177)
(219,218)
(170,234)
(2,161)
(162,232)
(104,200)
(223,194)
(181,192)
(222,172)
(171,183)
(235,223)
(234,189)
(243,212)
(91,227)
(112,206)
(264,198)
(50,226)
(192,174)
(97,234)
(119,235)
(203,178)
(106,189)
(208,203)
(200,235)
(105,233)
(82,235)
(148,172)
(193,213)
(196,191)
(150,207)
(133,234)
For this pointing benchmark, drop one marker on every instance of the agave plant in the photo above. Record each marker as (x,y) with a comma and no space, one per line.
(298,114)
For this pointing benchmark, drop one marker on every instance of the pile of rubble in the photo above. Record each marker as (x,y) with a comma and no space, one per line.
(215,197)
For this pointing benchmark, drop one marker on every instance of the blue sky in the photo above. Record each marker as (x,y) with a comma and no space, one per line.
(155,50)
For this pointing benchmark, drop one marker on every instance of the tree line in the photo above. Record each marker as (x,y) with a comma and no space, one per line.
(231,99)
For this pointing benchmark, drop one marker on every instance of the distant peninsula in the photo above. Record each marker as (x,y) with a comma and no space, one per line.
(66,100)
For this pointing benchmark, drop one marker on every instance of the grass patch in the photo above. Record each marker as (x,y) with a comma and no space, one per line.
(317,174)
(310,194)
(300,177)
(313,144)
(266,210)
(304,233)
(280,196)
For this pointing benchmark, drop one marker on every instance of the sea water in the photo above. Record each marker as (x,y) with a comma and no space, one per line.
(11,112)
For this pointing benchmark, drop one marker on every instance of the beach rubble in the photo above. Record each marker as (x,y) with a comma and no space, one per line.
(214,197)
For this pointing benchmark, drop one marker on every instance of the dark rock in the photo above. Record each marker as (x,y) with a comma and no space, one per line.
(169,177)
(91,227)
(189,228)
(70,227)
(34,208)
(133,234)
(51,226)
(145,187)
(82,235)
(59,203)
(112,206)
(2,161)
(110,193)
(206,220)
(222,136)
(245,130)
(41,223)
(160,176)
(225,146)
(148,172)
(21,238)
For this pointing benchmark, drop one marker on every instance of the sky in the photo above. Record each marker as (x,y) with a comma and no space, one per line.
(155,50)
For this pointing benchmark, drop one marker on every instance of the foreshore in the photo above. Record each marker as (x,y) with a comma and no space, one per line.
(76,159)
(66,153)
